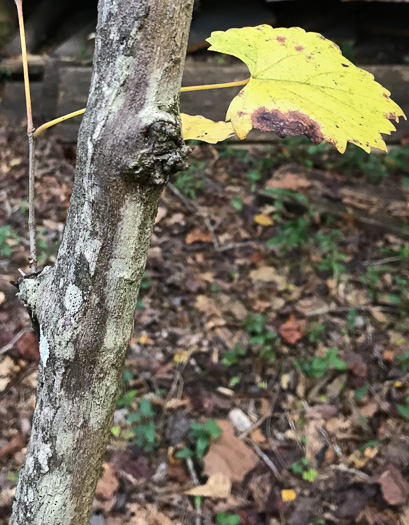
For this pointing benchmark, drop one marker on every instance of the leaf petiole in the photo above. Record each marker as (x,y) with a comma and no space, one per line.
(185,89)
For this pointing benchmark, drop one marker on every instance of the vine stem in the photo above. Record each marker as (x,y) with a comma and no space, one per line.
(31,202)
(204,87)
(31,141)
(30,126)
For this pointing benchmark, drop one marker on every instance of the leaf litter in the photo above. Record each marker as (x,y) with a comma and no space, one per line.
(289,332)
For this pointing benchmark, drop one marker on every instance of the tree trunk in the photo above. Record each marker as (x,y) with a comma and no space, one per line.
(129,143)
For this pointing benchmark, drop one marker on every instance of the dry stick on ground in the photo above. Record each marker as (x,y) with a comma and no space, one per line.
(16,338)
(31,141)
(195,480)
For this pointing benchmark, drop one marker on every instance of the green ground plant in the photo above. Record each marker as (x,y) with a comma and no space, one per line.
(7,233)
(317,366)
(234,355)
(403,360)
(262,339)
(303,469)
(403,408)
(224,518)
(199,438)
(315,332)
(143,426)
(191,182)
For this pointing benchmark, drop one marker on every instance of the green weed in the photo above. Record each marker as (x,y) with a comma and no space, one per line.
(333,259)
(6,233)
(263,339)
(143,426)
(404,361)
(361,392)
(403,408)
(373,278)
(233,356)
(223,518)
(317,366)
(292,234)
(199,439)
(315,332)
(237,203)
(191,182)
(302,468)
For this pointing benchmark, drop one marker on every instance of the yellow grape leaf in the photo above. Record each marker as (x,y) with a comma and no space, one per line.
(263,219)
(301,84)
(201,128)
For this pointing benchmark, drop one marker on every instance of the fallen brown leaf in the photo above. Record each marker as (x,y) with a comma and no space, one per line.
(267,274)
(7,367)
(395,489)
(14,445)
(229,455)
(207,306)
(217,486)
(293,330)
(198,236)
(108,483)
(290,181)
(27,347)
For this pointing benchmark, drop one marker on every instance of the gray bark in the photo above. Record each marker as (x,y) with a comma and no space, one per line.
(129,143)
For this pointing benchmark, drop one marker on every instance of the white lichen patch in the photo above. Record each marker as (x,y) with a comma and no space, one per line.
(62,344)
(91,253)
(102,395)
(44,348)
(54,501)
(73,300)
(43,455)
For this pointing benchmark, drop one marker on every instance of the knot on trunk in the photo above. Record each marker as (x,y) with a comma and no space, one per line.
(165,153)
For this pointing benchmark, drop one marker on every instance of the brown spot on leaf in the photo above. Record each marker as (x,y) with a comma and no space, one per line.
(299,48)
(285,124)
(345,65)
(281,38)
(385,95)
(391,116)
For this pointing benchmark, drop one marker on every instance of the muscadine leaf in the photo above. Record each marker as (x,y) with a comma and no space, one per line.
(301,84)
(201,128)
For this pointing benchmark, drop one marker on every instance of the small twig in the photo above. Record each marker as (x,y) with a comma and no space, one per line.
(22,375)
(346,309)
(355,472)
(195,480)
(10,345)
(233,246)
(380,262)
(266,460)
(31,203)
(211,230)
(255,425)
(188,205)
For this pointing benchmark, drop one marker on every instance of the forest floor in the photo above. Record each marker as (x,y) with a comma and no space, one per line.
(267,379)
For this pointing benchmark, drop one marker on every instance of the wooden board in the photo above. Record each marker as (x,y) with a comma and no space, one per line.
(65,89)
